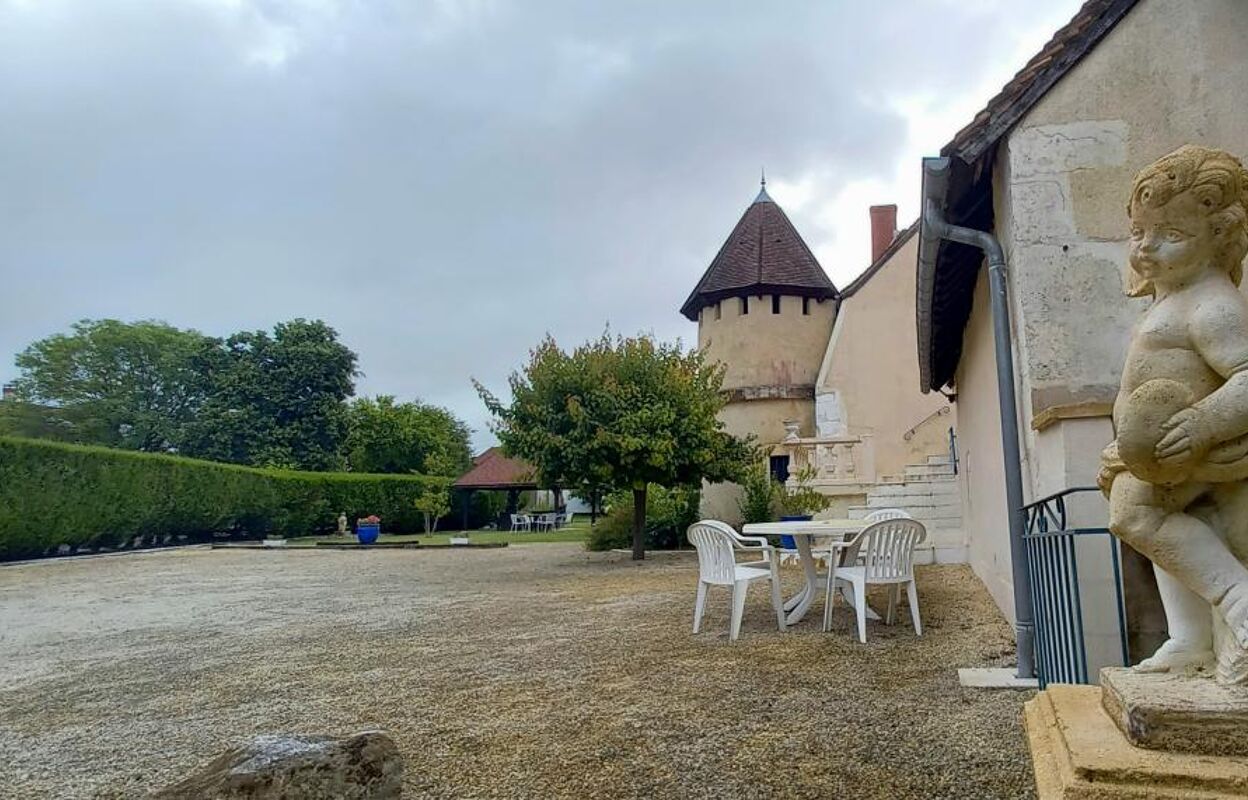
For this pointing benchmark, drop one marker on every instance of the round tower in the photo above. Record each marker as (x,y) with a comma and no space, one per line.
(764,309)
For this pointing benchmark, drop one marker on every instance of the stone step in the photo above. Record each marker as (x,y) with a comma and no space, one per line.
(925,470)
(941,459)
(916,491)
(914,500)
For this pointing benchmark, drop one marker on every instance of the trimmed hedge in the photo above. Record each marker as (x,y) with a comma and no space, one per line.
(53,494)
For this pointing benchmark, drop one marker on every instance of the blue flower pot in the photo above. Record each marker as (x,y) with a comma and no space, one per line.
(367,534)
(788,542)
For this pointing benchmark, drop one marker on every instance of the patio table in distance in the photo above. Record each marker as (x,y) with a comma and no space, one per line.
(835,532)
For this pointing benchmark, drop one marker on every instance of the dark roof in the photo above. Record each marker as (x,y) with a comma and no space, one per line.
(493,470)
(764,254)
(945,295)
(898,241)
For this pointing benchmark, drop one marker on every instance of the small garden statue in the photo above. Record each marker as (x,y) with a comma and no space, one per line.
(342,524)
(1177,472)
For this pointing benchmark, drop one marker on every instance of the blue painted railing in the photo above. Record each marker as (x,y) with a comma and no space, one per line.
(1053,566)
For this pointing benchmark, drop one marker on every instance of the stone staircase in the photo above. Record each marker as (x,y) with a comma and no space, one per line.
(929,492)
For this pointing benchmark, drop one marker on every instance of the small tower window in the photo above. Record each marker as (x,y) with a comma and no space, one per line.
(719,312)
(806,306)
(775,304)
(745,306)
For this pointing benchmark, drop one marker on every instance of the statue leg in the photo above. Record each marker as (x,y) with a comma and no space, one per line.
(1151,519)
(1189,621)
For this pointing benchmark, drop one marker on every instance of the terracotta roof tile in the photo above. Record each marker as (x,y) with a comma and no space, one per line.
(1091,22)
(493,470)
(764,254)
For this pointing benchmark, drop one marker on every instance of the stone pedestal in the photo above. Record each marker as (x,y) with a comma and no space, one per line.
(1079,753)
(1176,712)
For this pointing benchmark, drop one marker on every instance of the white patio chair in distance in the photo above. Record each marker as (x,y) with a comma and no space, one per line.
(887,548)
(520,522)
(717,545)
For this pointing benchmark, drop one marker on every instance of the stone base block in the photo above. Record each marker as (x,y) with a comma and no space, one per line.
(1079,754)
(1177,712)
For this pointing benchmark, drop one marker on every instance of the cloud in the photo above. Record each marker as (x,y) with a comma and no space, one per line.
(446,181)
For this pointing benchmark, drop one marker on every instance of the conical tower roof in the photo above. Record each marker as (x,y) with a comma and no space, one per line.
(764,254)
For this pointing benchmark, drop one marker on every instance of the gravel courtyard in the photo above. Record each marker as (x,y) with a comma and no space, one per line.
(532,671)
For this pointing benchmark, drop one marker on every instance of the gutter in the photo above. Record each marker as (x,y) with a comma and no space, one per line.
(934,229)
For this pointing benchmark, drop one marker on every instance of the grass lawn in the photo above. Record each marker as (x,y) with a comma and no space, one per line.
(576,532)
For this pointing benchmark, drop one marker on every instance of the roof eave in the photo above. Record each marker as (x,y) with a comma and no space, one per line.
(700,301)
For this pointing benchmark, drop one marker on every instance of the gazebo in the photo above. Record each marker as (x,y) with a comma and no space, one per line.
(494,472)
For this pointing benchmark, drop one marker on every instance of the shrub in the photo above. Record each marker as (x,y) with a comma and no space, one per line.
(669,513)
(53,494)
(758,497)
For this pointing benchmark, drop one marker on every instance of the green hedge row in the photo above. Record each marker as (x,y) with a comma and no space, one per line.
(53,494)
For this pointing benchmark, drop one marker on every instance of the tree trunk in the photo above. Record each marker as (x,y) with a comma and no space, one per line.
(639,523)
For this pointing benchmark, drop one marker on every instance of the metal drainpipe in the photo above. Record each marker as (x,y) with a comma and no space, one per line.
(1024,624)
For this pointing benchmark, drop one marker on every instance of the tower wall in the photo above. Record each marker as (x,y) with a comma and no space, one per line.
(771,366)
(762,349)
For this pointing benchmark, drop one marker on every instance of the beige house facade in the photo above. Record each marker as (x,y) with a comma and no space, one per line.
(826,378)
(1047,169)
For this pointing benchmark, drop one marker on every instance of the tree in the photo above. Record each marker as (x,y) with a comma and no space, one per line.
(275,400)
(385,436)
(129,385)
(434,505)
(619,412)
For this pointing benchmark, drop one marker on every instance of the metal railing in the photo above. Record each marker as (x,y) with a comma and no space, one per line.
(1053,566)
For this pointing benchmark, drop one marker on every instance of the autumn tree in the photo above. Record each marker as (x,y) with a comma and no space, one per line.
(620,413)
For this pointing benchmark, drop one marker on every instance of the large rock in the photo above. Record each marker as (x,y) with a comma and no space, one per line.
(364,766)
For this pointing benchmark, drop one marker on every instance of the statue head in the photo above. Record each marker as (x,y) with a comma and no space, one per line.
(1189,211)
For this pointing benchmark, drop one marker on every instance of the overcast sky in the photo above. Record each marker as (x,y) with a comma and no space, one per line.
(443,182)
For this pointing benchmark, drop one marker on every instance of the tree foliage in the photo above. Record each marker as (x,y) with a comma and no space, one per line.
(621,413)
(388,436)
(433,506)
(274,400)
(254,398)
(129,385)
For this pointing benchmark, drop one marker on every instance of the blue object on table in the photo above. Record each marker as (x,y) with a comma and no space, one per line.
(367,532)
(788,542)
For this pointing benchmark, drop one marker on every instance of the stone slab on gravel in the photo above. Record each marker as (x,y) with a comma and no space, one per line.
(530,671)
(363,766)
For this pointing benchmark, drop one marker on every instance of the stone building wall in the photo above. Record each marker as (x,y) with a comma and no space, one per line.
(1172,72)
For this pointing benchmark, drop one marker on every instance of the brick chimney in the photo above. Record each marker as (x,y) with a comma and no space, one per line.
(883,229)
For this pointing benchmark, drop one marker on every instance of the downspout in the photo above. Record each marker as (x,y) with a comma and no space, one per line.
(935,228)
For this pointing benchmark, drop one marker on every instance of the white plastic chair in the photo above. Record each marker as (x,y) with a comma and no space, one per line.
(887,549)
(521,522)
(717,545)
(852,555)
(567,519)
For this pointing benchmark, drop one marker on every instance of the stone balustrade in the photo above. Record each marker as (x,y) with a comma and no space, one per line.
(844,460)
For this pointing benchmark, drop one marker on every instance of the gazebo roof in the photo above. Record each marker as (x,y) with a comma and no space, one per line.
(493,470)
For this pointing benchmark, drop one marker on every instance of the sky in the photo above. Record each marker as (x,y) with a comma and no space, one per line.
(446,181)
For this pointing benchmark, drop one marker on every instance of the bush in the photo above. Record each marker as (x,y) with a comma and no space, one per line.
(53,494)
(669,513)
(758,496)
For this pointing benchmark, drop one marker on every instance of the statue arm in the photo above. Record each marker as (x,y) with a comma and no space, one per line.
(1220,332)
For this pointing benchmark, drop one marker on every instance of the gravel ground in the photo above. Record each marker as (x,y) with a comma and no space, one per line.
(533,671)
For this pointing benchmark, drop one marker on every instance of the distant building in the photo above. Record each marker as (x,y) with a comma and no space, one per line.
(827,378)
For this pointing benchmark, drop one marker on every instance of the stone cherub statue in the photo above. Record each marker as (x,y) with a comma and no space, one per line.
(1177,472)
(342,524)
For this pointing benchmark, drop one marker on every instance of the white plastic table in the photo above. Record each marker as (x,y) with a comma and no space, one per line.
(836,533)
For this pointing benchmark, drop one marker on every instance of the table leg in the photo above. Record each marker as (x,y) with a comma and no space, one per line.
(802,600)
